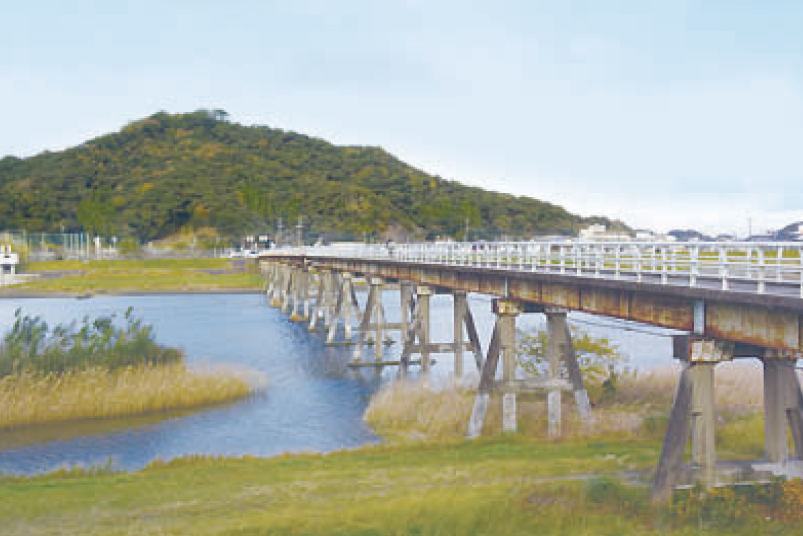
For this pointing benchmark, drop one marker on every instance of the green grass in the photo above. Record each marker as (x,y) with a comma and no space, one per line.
(154,275)
(493,487)
(115,265)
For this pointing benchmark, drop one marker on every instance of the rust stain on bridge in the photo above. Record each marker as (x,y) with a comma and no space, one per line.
(769,321)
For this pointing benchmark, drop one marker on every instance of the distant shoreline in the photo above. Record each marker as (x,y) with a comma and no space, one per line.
(25,294)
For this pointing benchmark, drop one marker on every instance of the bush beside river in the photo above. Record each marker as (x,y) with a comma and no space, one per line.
(98,369)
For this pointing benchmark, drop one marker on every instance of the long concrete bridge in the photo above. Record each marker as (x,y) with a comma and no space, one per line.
(731,300)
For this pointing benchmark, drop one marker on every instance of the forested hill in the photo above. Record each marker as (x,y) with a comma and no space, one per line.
(167,172)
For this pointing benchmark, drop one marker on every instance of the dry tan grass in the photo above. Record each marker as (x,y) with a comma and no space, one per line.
(27,398)
(739,388)
(413,410)
(408,410)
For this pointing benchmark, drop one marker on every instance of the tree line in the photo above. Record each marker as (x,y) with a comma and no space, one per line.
(168,172)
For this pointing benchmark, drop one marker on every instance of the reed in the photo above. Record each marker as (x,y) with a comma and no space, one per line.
(637,407)
(411,410)
(28,398)
(738,386)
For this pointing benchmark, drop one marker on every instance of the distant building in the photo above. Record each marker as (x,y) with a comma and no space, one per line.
(768,237)
(599,233)
(792,232)
(8,260)
(645,235)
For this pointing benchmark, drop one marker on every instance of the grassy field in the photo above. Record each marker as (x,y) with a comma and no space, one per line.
(501,486)
(153,275)
(429,480)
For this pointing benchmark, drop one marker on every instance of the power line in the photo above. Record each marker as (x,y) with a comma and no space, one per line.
(620,325)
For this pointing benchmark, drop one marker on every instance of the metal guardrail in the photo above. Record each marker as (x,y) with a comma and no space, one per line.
(758,267)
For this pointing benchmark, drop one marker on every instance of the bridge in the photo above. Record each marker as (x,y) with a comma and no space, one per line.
(731,300)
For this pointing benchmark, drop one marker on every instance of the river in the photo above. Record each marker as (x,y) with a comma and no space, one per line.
(312,400)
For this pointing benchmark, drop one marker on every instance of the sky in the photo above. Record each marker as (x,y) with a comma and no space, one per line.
(665,114)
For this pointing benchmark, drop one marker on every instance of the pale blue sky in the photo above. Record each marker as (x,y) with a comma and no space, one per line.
(664,113)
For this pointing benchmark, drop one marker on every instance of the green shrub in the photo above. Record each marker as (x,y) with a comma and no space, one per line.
(599,359)
(606,491)
(32,346)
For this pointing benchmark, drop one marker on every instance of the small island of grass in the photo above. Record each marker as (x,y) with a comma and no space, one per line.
(97,369)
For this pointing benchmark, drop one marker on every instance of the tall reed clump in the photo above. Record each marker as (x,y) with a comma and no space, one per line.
(413,410)
(636,404)
(29,398)
(100,370)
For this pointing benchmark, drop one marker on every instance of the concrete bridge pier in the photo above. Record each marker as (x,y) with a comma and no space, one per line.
(507,312)
(306,291)
(266,271)
(783,406)
(503,344)
(298,293)
(287,289)
(561,354)
(693,414)
(330,298)
(275,292)
(373,320)
(317,310)
(703,420)
(462,318)
(343,310)
(421,321)
(416,330)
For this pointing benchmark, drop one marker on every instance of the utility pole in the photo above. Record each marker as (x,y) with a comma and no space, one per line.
(299,232)
(465,238)
(279,227)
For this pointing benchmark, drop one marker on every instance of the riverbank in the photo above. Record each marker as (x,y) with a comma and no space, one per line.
(501,486)
(136,277)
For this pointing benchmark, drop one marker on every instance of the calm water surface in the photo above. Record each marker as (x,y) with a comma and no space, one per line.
(313,401)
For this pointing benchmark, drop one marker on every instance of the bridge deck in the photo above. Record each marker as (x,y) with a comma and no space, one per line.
(772,318)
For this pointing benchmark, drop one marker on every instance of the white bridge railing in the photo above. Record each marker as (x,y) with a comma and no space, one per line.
(758,267)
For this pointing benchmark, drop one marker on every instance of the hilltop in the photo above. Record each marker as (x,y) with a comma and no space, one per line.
(169,172)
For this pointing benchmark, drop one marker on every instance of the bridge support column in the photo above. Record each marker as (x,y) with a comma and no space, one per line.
(406,305)
(677,435)
(423,295)
(703,415)
(463,317)
(417,329)
(783,405)
(330,300)
(317,312)
(503,343)
(342,310)
(298,293)
(507,312)
(374,312)
(560,350)
(305,293)
(265,272)
(275,295)
(287,289)
(693,413)
(459,311)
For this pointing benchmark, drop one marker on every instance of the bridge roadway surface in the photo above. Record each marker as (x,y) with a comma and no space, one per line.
(756,317)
